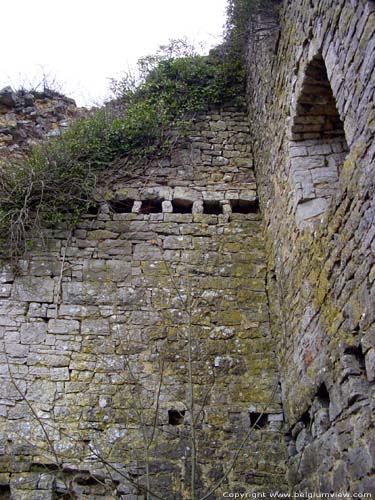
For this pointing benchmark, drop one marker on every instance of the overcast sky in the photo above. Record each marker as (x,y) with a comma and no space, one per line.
(81,43)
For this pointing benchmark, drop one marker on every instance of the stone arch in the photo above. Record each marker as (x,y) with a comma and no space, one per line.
(318,146)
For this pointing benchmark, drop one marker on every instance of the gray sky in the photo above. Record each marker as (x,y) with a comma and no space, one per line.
(81,43)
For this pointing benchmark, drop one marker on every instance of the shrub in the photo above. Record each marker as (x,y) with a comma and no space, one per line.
(58,180)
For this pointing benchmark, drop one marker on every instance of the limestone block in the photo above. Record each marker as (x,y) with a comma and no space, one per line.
(157,193)
(213,195)
(370,364)
(48,359)
(312,208)
(17,350)
(219,161)
(37,310)
(182,193)
(319,149)
(295,151)
(144,251)
(350,365)
(95,327)
(248,195)
(303,439)
(45,267)
(59,374)
(320,175)
(130,296)
(355,388)
(13,337)
(197,207)
(180,218)
(8,98)
(41,392)
(155,217)
(137,207)
(232,195)
(31,289)
(303,177)
(102,234)
(114,247)
(33,333)
(359,462)
(176,242)
(7,321)
(321,422)
(5,290)
(6,275)
(63,326)
(126,193)
(167,207)
(227,208)
(307,163)
(218,125)
(88,293)
(105,270)
(9,391)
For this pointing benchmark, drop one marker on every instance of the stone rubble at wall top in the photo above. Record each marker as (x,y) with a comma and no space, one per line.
(26,118)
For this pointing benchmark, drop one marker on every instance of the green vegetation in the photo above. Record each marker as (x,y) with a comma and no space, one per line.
(58,180)
(242,18)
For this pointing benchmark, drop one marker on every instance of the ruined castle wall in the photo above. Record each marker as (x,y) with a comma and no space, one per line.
(108,327)
(311,98)
(27,118)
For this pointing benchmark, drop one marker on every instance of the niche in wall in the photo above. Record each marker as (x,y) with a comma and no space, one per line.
(245,206)
(318,145)
(121,206)
(258,420)
(151,207)
(176,417)
(181,206)
(212,207)
(5,492)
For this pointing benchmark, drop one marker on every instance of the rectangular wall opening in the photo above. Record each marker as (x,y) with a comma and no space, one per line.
(5,492)
(151,207)
(258,420)
(212,207)
(121,206)
(245,206)
(182,206)
(176,417)
(323,396)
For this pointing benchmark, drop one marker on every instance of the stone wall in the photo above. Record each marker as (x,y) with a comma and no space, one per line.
(27,118)
(154,304)
(311,99)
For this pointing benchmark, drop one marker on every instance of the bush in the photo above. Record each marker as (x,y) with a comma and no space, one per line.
(58,180)
(241,14)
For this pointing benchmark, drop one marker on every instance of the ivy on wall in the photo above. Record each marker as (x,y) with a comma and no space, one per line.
(58,180)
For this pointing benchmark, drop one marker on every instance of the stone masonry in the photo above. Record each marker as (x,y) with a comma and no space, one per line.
(311,99)
(184,318)
(107,329)
(26,118)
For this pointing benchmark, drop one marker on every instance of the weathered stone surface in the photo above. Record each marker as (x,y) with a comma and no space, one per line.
(26,118)
(314,158)
(89,350)
(32,289)
(63,326)
(310,209)
(33,333)
(370,365)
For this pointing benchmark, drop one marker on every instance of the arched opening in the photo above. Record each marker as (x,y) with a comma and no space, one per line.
(318,145)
